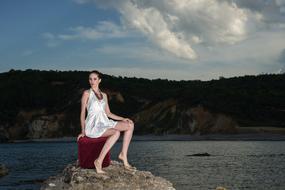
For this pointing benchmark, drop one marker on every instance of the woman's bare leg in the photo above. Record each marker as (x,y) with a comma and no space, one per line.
(113,135)
(128,129)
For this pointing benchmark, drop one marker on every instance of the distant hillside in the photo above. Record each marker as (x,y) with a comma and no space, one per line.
(40,104)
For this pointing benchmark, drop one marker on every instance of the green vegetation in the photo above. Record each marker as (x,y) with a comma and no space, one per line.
(249,100)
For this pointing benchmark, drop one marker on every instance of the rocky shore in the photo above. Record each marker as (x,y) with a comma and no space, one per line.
(75,178)
(3,170)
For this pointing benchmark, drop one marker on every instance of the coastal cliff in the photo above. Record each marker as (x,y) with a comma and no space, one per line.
(75,178)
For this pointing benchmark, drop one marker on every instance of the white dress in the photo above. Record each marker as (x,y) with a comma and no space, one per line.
(97,122)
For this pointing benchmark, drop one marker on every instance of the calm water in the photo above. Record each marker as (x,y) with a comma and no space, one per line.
(233,164)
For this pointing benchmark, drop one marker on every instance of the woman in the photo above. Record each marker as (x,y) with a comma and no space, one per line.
(97,123)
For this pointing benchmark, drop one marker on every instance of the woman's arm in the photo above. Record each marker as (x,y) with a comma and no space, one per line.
(84,100)
(109,113)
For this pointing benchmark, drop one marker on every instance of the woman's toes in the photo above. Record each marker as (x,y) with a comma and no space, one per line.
(121,157)
(98,167)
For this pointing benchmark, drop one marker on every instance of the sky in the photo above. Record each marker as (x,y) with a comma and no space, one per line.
(167,39)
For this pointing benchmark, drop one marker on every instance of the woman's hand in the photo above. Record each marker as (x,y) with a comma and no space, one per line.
(80,135)
(128,120)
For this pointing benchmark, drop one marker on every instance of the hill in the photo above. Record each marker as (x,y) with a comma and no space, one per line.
(44,104)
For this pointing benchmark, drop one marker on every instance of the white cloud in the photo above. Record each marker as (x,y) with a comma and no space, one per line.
(137,51)
(196,39)
(271,11)
(149,73)
(281,4)
(104,29)
(51,40)
(152,24)
(179,25)
(27,52)
(180,74)
(230,37)
(281,60)
(81,1)
(188,20)
(81,32)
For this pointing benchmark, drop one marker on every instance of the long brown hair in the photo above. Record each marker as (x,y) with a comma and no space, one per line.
(97,73)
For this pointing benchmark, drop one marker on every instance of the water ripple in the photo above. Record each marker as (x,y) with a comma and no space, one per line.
(247,165)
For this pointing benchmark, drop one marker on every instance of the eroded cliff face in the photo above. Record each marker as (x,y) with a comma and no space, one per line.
(36,124)
(45,127)
(172,116)
(76,178)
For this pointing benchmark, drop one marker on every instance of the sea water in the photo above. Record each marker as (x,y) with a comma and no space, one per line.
(232,164)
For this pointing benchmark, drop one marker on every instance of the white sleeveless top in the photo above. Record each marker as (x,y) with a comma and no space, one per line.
(97,122)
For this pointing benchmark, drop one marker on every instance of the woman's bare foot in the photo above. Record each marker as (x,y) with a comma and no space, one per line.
(125,161)
(98,167)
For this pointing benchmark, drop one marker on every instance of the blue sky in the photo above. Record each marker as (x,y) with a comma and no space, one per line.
(173,39)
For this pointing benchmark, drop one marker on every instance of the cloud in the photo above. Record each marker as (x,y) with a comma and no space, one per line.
(282,57)
(234,36)
(281,4)
(103,30)
(152,24)
(179,26)
(81,1)
(51,39)
(27,52)
(178,73)
(282,62)
(272,11)
(145,53)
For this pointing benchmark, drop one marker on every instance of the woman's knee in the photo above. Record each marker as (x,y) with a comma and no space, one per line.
(122,126)
(117,133)
(109,132)
(131,126)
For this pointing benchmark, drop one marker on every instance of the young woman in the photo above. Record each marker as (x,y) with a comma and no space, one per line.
(98,124)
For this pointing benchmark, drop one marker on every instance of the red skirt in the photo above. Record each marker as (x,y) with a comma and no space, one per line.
(89,150)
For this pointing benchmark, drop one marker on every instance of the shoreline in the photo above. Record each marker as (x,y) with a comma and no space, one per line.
(209,137)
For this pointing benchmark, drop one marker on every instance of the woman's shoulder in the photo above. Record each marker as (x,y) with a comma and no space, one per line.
(104,94)
(86,92)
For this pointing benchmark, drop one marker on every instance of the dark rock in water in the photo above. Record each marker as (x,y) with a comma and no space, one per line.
(3,139)
(117,177)
(4,136)
(33,181)
(3,170)
(199,154)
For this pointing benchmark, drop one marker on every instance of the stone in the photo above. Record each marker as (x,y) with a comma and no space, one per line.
(199,154)
(52,184)
(75,178)
(221,188)
(3,170)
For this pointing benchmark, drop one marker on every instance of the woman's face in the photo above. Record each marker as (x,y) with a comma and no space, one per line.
(94,80)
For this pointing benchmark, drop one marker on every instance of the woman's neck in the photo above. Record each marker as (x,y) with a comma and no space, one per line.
(96,89)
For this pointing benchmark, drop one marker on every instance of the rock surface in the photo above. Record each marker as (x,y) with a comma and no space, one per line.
(75,178)
(4,136)
(3,170)
(199,154)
